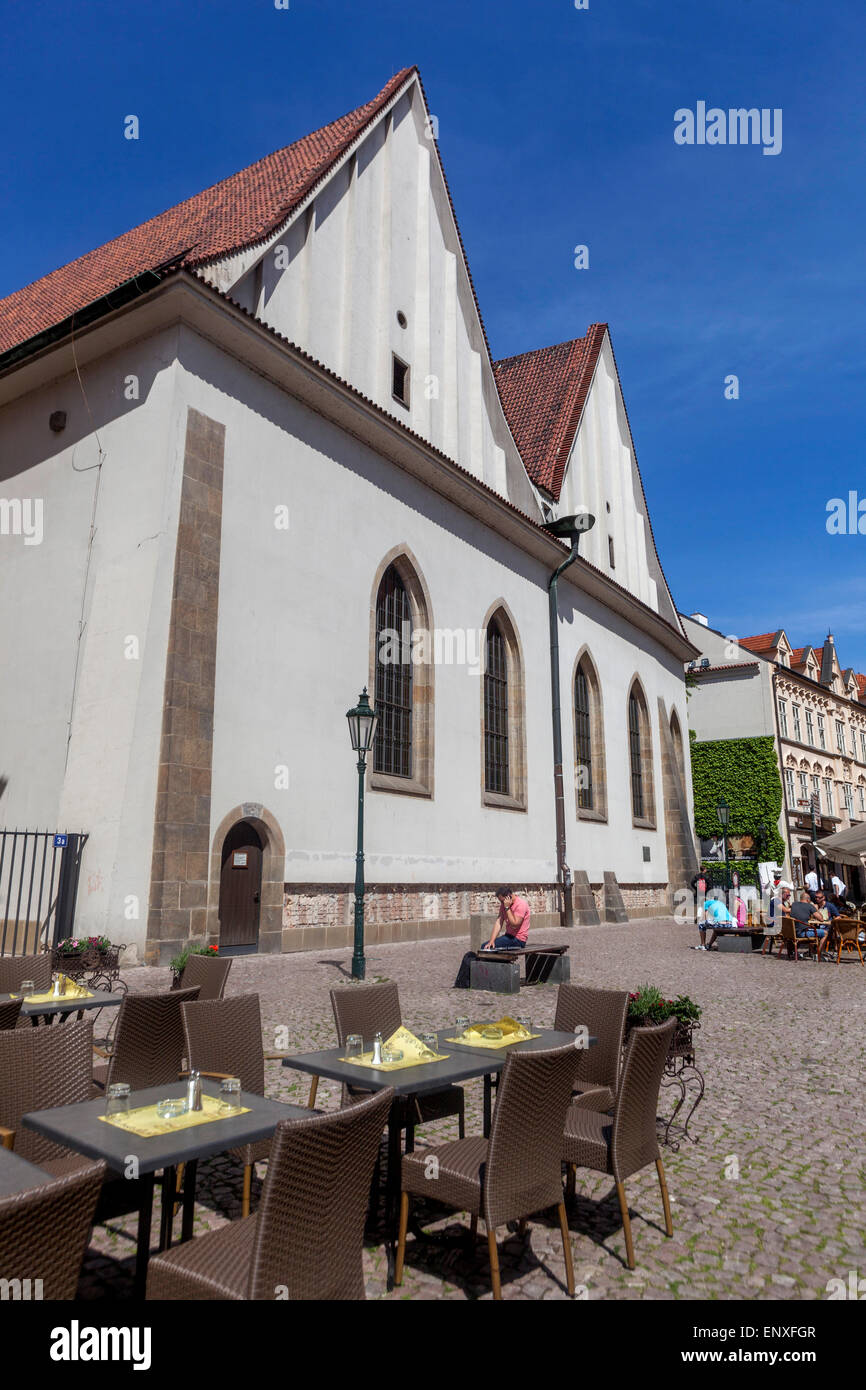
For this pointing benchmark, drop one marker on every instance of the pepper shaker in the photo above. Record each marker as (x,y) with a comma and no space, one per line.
(377,1050)
(193,1091)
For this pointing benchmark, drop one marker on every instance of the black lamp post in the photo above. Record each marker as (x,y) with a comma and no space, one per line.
(362,729)
(723,811)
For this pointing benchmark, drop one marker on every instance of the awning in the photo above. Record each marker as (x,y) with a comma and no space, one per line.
(846,846)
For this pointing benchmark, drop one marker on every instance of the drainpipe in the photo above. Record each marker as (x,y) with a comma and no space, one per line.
(570,528)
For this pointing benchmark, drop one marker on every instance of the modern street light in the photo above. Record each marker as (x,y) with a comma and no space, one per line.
(723,811)
(362,730)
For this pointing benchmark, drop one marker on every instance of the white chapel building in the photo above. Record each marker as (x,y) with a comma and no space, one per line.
(241,447)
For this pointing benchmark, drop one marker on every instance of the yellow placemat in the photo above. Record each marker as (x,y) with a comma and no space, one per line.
(512,1032)
(145,1122)
(73,991)
(405,1042)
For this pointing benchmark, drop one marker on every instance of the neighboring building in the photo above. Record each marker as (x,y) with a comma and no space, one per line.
(267,432)
(815,711)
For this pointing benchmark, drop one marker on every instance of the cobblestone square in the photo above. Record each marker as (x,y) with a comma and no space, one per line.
(767,1204)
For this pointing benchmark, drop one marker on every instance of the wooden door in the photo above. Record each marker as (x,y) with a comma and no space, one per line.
(240,888)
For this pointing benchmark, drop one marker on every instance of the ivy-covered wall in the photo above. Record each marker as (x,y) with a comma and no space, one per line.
(743,771)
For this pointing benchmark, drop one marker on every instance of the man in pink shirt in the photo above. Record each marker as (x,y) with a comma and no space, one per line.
(513,923)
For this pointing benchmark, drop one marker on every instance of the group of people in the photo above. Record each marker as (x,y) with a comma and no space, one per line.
(813,908)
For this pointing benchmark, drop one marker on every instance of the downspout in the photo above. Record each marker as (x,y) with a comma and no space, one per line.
(570,527)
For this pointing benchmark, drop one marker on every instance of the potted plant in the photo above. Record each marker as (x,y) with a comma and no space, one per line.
(178,962)
(649,1007)
(95,956)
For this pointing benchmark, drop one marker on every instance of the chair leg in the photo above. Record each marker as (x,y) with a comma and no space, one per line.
(570,1182)
(248,1187)
(494,1263)
(311,1098)
(461,1125)
(179,1185)
(473,1227)
(566,1249)
(401,1237)
(626,1224)
(521,1227)
(669,1225)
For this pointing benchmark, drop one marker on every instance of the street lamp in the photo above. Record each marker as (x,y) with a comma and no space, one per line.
(723,811)
(362,729)
(567,528)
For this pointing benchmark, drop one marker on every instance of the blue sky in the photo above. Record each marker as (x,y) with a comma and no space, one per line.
(556,128)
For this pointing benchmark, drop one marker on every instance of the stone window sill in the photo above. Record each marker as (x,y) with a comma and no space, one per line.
(584,813)
(504,803)
(403,786)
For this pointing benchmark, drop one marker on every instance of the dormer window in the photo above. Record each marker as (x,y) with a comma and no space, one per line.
(399,380)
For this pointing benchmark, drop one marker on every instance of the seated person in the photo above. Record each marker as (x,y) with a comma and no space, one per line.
(826,907)
(714,912)
(805,913)
(512,923)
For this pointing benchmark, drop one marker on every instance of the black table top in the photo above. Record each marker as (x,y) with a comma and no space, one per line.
(100,999)
(78,1127)
(17,1175)
(461,1063)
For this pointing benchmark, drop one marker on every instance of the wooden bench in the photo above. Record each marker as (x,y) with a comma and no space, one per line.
(500,970)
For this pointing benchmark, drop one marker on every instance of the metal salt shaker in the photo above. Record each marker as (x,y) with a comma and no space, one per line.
(377,1050)
(193,1091)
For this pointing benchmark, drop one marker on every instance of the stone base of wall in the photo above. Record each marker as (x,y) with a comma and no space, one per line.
(320,916)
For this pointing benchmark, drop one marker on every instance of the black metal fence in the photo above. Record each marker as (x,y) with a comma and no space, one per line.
(38,887)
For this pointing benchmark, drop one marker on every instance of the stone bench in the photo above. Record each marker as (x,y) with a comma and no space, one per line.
(497,971)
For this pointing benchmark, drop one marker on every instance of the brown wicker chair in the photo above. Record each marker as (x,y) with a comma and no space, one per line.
(306,1239)
(210,973)
(44,1232)
(603,1011)
(628,1142)
(148,1042)
(370,1009)
(9,1012)
(223,1037)
(514,1174)
(847,930)
(41,1068)
(14,969)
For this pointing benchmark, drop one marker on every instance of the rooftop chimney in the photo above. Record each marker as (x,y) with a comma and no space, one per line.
(700,618)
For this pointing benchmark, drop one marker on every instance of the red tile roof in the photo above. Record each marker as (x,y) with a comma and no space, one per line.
(235,213)
(543,394)
(765,642)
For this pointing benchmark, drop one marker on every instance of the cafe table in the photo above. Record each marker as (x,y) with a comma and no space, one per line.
(17,1175)
(130,1156)
(63,1008)
(462,1062)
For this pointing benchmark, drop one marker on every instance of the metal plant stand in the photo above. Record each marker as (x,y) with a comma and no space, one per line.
(683,1072)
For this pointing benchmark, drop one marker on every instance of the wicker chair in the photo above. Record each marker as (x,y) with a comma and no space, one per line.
(370,1009)
(793,937)
(14,969)
(223,1037)
(306,1239)
(515,1173)
(603,1012)
(41,1068)
(148,1043)
(210,973)
(44,1232)
(9,1013)
(847,931)
(628,1142)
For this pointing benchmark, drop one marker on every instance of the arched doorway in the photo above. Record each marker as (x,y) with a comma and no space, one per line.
(240,892)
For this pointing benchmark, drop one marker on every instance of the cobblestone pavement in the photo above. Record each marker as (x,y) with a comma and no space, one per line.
(781,1047)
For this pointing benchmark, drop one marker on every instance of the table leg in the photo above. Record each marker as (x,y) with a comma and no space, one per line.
(188,1208)
(169,1189)
(392,1185)
(488,1106)
(142,1253)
